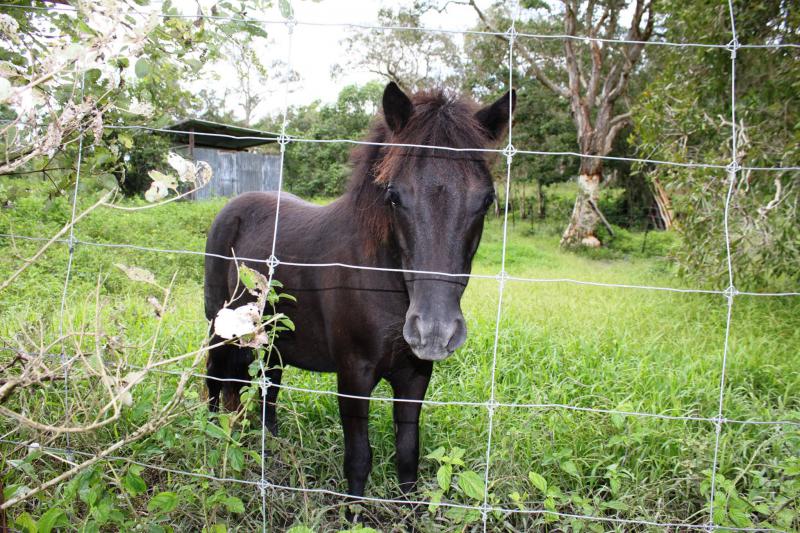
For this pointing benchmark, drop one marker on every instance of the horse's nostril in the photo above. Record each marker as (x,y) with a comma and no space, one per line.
(411,331)
(434,339)
(458,335)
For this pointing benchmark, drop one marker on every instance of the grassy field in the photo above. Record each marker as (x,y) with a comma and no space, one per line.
(560,343)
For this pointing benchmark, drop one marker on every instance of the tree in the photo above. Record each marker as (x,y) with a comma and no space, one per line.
(412,59)
(684,115)
(64,72)
(539,121)
(593,78)
(322,169)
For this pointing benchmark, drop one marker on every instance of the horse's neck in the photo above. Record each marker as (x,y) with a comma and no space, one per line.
(361,227)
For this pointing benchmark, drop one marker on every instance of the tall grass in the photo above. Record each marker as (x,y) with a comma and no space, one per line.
(560,343)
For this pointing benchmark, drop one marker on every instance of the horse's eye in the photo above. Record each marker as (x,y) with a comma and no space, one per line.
(392,197)
(488,201)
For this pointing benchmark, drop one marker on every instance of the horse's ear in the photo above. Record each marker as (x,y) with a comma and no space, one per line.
(397,107)
(494,117)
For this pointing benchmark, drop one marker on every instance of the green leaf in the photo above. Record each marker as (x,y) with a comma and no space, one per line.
(107,181)
(435,499)
(286,9)
(163,502)
(213,430)
(739,517)
(142,68)
(299,529)
(615,504)
(444,476)
(436,454)
(570,468)
(247,277)
(54,517)
(538,481)
(456,514)
(233,504)
(236,458)
(472,484)
(125,140)
(133,484)
(26,522)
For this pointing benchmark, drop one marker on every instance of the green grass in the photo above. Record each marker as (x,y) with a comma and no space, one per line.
(560,343)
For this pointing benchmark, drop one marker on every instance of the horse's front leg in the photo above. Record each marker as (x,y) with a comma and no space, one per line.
(355,418)
(269,411)
(409,383)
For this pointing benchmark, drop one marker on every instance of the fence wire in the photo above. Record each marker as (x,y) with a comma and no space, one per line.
(70,260)
(420,29)
(733,168)
(405,502)
(502,277)
(438,403)
(509,278)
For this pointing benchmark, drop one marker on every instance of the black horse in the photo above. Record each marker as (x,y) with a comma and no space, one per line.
(407,207)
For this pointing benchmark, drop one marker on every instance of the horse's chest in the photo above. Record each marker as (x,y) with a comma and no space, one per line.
(340,321)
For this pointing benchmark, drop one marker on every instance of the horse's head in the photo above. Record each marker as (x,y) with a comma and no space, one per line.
(438,200)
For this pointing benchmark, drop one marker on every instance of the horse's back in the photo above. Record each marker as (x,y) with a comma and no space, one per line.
(243,228)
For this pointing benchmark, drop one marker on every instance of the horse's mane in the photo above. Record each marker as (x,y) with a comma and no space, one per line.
(439,119)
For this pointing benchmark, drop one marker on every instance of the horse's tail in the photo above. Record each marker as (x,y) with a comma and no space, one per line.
(227,361)
(220,242)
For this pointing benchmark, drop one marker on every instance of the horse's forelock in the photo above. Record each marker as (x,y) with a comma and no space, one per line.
(439,119)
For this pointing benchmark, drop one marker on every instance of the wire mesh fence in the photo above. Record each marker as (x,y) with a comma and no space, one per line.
(284,138)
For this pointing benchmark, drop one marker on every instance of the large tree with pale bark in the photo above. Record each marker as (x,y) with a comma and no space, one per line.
(591,74)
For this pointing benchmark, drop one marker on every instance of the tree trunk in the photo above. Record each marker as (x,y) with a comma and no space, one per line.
(663,203)
(584,219)
(542,210)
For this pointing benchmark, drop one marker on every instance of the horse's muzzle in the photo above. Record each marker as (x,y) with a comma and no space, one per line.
(434,339)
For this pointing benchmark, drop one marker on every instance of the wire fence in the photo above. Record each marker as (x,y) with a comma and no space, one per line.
(284,138)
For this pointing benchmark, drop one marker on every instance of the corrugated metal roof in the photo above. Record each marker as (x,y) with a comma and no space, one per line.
(223,136)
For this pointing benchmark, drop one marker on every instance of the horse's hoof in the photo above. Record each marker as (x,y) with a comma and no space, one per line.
(354,514)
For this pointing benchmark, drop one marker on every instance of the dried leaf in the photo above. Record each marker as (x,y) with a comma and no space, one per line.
(5,89)
(132,378)
(141,108)
(137,273)
(97,127)
(126,398)
(232,323)
(166,180)
(156,192)
(203,174)
(184,168)
(156,305)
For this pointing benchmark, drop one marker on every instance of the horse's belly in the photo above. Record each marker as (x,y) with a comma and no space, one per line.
(303,349)
(306,346)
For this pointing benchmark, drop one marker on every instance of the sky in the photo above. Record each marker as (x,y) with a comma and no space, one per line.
(315,49)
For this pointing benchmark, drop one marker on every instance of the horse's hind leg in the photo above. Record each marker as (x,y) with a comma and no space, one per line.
(226,369)
(215,371)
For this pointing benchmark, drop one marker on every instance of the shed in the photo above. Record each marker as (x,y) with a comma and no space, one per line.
(224,148)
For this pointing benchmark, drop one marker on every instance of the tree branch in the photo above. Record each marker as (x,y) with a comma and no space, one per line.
(533,67)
